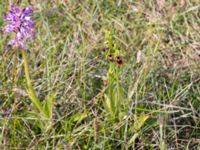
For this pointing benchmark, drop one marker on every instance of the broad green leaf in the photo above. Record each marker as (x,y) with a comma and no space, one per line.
(108,104)
(48,106)
(79,116)
(138,122)
(34,99)
(133,138)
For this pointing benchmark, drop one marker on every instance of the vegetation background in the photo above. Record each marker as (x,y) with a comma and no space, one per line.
(159,42)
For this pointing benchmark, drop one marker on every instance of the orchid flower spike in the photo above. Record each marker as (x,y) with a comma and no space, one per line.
(20,23)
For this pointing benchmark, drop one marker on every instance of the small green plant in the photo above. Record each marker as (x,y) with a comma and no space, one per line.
(115,100)
(114,97)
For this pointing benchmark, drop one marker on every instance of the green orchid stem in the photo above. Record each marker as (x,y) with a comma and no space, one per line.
(31,91)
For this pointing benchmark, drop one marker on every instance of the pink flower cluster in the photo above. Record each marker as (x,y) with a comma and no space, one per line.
(19,22)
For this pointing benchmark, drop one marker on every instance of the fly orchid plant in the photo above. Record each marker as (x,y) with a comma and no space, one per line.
(114,96)
(20,23)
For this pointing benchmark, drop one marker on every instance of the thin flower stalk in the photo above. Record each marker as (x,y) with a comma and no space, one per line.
(31,91)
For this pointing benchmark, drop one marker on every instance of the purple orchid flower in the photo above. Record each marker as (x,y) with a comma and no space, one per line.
(19,22)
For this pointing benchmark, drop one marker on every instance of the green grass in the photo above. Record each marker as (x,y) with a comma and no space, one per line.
(157,85)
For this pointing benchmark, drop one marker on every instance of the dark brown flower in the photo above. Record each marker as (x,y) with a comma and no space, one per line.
(110,58)
(119,60)
(105,49)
